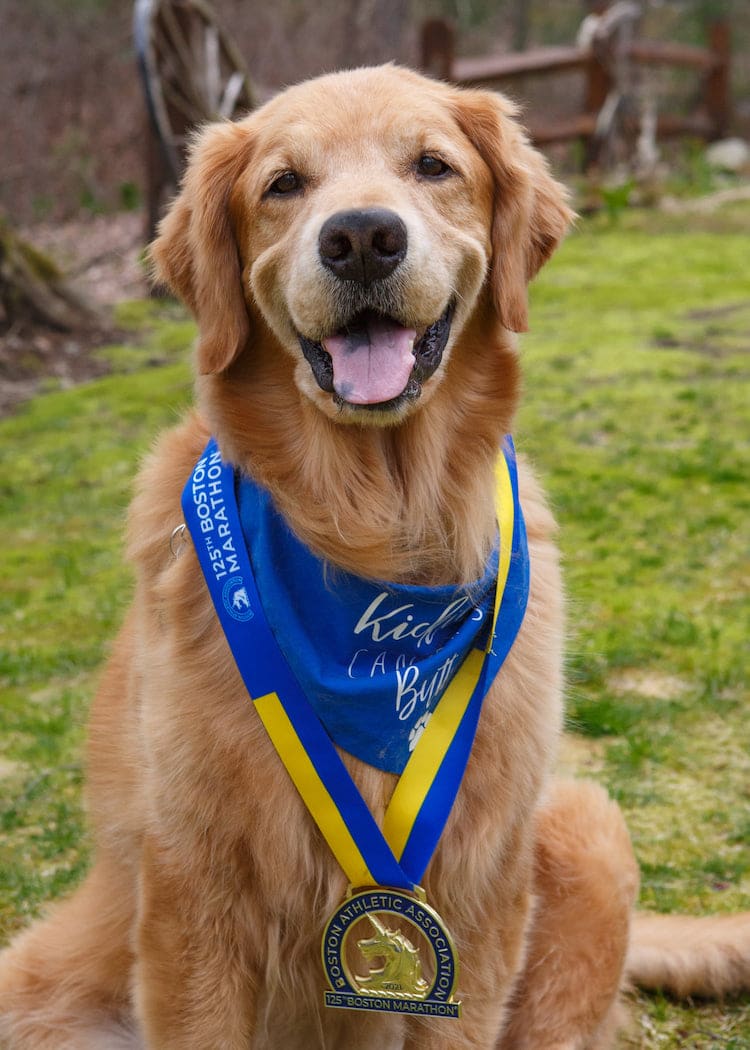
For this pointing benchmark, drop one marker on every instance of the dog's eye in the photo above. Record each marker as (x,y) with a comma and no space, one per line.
(288,182)
(432,167)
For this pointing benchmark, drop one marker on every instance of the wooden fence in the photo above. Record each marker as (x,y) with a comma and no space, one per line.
(709,119)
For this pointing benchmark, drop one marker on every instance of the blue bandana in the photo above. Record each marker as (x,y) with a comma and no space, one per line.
(372,658)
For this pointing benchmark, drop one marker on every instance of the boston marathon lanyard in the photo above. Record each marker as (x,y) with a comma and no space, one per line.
(397,856)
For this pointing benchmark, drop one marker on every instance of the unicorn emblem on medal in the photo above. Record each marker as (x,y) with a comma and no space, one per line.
(401,972)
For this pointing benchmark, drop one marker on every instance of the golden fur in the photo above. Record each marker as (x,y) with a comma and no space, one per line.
(199,925)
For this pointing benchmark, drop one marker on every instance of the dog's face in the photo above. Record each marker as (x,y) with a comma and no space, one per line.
(364,236)
(362,215)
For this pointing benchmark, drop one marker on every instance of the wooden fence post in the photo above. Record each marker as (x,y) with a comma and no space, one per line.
(718,93)
(438,48)
(598,86)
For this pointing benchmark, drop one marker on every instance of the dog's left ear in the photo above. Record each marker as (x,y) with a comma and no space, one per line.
(530,212)
(196,253)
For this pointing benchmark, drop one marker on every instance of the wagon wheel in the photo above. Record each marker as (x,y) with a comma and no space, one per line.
(191,71)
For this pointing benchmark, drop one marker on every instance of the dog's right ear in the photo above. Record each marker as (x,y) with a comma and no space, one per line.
(196,253)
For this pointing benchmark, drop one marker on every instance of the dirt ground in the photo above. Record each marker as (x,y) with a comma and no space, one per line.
(101,253)
(103,256)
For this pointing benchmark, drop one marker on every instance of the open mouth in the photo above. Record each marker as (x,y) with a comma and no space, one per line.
(376,362)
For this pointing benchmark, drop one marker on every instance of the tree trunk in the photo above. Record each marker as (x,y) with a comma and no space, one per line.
(34,292)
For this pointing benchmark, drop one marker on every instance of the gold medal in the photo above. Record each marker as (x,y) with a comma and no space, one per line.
(387,950)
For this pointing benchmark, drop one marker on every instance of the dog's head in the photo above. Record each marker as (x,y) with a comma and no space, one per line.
(359,223)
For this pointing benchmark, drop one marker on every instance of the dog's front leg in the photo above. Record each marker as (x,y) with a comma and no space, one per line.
(194,986)
(586,881)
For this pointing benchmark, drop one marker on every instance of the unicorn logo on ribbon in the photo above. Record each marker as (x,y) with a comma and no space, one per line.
(236,599)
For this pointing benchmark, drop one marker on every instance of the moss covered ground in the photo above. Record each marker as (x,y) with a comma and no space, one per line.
(636,416)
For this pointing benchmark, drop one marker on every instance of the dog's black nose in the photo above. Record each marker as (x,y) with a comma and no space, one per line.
(363,246)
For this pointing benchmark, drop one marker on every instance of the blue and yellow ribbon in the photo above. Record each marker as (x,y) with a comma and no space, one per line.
(397,855)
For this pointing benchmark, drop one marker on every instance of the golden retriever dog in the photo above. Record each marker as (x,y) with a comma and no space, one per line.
(407,217)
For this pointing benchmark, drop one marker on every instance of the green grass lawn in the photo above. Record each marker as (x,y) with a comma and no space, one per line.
(636,413)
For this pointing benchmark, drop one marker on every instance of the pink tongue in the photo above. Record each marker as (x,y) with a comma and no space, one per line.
(371,363)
